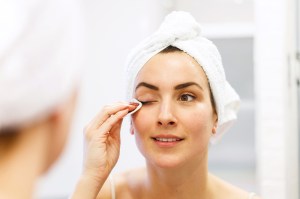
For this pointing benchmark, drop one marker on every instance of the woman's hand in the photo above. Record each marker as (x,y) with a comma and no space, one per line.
(102,140)
(102,148)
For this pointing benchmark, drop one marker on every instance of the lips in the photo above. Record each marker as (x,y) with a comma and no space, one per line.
(167,138)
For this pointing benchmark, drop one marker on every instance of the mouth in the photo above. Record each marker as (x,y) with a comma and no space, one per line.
(167,141)
(160,139)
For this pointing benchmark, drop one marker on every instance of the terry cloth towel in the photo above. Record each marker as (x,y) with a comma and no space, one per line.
(41,53)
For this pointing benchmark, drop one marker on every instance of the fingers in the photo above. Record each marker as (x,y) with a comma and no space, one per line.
(107,112)
(110,114)
(139,105)
(113,124)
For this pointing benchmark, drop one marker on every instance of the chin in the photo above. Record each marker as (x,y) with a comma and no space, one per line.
(167,161)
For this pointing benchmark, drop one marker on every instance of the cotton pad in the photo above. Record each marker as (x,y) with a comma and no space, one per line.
(137,108)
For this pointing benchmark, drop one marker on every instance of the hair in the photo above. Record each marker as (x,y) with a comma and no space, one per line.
(8,138)
(171,49)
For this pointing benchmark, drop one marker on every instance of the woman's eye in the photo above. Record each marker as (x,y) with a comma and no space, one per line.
(186,97)
(146,102)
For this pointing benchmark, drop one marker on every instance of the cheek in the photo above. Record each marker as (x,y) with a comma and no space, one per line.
(198,120)
(142,121)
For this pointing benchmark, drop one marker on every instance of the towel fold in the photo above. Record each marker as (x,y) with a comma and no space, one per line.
(181,30)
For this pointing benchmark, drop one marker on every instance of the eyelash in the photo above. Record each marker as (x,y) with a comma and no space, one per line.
(188,95)
(146,102)
(185,94)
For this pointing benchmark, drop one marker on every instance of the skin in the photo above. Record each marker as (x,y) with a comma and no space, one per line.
(180,106)
(36,147)
(102,136)
(174,106)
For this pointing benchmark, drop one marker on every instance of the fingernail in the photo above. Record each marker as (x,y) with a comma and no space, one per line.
(134,103)
(137,103)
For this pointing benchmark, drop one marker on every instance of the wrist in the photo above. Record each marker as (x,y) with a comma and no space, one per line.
(88,187)
(93,177)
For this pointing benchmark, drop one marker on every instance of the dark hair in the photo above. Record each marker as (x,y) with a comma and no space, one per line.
(171,49)
(8,137)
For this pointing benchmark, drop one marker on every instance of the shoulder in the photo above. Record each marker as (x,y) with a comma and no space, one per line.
(126,184)
(130,183)
(224,188)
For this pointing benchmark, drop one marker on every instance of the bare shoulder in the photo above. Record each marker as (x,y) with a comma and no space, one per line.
(223,188)
(124,185)
(129,183)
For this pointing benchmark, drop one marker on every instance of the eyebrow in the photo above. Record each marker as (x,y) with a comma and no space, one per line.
(187,84)
(178,87)
(150,86)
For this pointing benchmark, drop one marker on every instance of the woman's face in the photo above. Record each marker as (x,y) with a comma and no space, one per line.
(177,119)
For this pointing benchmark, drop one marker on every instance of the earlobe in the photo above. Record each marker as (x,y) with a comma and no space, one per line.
(214,129)
(131,131)
(56,118)
(131,128)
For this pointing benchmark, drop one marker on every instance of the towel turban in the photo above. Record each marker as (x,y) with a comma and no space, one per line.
(41,46)
(180,29)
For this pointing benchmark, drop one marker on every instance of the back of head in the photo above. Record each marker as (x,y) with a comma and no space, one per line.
(41,52)
(41,43)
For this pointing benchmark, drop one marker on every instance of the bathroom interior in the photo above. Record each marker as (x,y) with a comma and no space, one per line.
(259,41)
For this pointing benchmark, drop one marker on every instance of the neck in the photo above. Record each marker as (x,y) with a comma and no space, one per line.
(188,181)
(21,166)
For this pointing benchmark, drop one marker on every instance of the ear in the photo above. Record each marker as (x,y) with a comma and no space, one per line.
(62,114)
(55,120)
(131,128)
(60,117)
(55,137)
(59,123)
(214,129)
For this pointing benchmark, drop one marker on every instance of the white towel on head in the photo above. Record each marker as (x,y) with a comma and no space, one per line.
(180,29)
(41,54)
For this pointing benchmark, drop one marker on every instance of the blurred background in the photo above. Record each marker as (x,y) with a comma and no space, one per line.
(259,41)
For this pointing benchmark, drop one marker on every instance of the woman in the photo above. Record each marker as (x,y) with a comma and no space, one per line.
(40,60)
(178,77)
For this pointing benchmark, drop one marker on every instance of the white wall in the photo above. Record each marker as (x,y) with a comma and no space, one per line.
(276,115)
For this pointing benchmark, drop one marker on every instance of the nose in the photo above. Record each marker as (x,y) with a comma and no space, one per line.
(166,116)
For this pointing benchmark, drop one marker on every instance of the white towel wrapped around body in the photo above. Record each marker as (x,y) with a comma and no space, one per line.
(180,29)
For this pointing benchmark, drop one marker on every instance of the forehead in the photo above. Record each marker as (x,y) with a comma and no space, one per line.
(172,67)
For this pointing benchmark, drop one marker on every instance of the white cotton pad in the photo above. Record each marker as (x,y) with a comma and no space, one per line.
(137,108)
